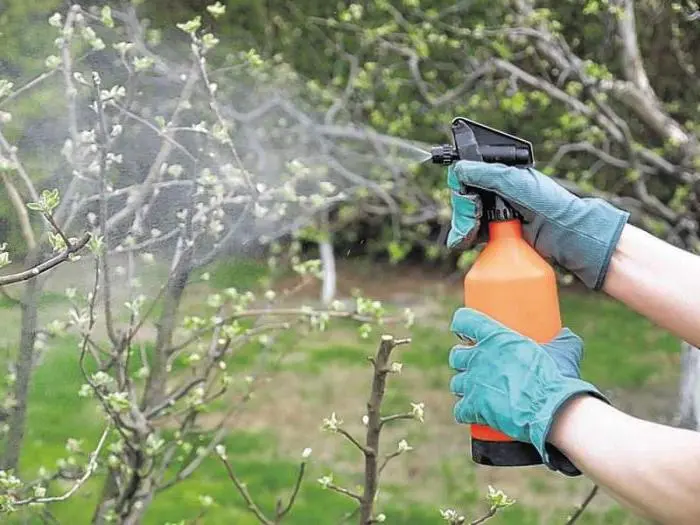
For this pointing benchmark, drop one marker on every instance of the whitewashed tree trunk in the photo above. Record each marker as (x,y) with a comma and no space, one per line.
(329,273)
(688,415)
(327,256)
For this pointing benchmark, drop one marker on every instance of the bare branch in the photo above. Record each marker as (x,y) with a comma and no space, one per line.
(582,507)
(345,492)
(165,136)
(396,417)
(387,459)
(243,490)
(21,211)
(102,144)
(173,397)
(374,424)
(490,514)
(46,265)
(164,152)
(297,485)
(352,440)
(91,467)
(16,164)
(632,61)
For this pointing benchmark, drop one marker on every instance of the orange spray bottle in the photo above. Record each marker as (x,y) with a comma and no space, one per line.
(509,280)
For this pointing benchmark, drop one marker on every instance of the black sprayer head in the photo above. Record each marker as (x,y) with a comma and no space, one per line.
(474,141)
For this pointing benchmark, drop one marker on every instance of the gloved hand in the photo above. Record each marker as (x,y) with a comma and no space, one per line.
(513,384)
(580,234)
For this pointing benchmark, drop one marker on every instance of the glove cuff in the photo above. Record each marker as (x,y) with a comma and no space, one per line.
(552,457)
(599,226)
(618,218)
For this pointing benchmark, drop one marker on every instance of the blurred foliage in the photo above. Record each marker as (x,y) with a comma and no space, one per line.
(378,47)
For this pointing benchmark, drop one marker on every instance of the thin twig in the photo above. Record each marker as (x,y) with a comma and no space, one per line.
(582,507)
(352,440)
(396,417)
(156,129)
(46,265)
(295,491)
(8,297)
(278,312)
(102,147)
(49,218)
(388,458)
(25,223)
(346,492)
(174,396)
(243,490)
(91,467)
(490,514)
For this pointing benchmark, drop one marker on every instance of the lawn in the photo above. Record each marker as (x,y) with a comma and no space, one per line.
(626,355)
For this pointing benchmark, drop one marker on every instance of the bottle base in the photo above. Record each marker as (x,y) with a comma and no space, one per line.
(505,453)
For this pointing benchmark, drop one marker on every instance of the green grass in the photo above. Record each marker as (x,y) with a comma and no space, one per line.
(622,350)
(47,299)
(243,274)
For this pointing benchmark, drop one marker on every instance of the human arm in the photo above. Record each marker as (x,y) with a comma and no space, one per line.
(657,280)
(652,468)
(533,392)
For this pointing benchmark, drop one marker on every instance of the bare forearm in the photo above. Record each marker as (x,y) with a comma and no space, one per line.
(657,280)
(652,468)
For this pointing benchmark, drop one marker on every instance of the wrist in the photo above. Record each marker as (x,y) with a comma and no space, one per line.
(558,397)
(574,416)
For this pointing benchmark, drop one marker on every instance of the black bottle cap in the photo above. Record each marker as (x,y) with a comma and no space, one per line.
(498,210)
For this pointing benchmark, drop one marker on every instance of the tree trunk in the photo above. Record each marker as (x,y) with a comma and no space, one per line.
(24,368)
(139,505)
(688,415)
(329,272)
(157,377)
(128,503)
(130,498)
(110,492)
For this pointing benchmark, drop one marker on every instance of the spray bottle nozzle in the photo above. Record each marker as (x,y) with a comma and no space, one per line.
(444,154)
(475,141)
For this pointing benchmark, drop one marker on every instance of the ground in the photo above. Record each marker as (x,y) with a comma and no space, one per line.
(633,361)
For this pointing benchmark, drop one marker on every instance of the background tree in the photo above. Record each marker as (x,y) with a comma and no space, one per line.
(188,132)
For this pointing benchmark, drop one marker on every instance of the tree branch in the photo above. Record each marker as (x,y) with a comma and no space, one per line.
(243,490)
(46,265)
(632,62)
(91,467)
(582,507)
(374,424)
(283,512)
(21,211)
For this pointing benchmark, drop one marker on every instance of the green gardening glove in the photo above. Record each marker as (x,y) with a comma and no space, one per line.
(579,234)
(513,384)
